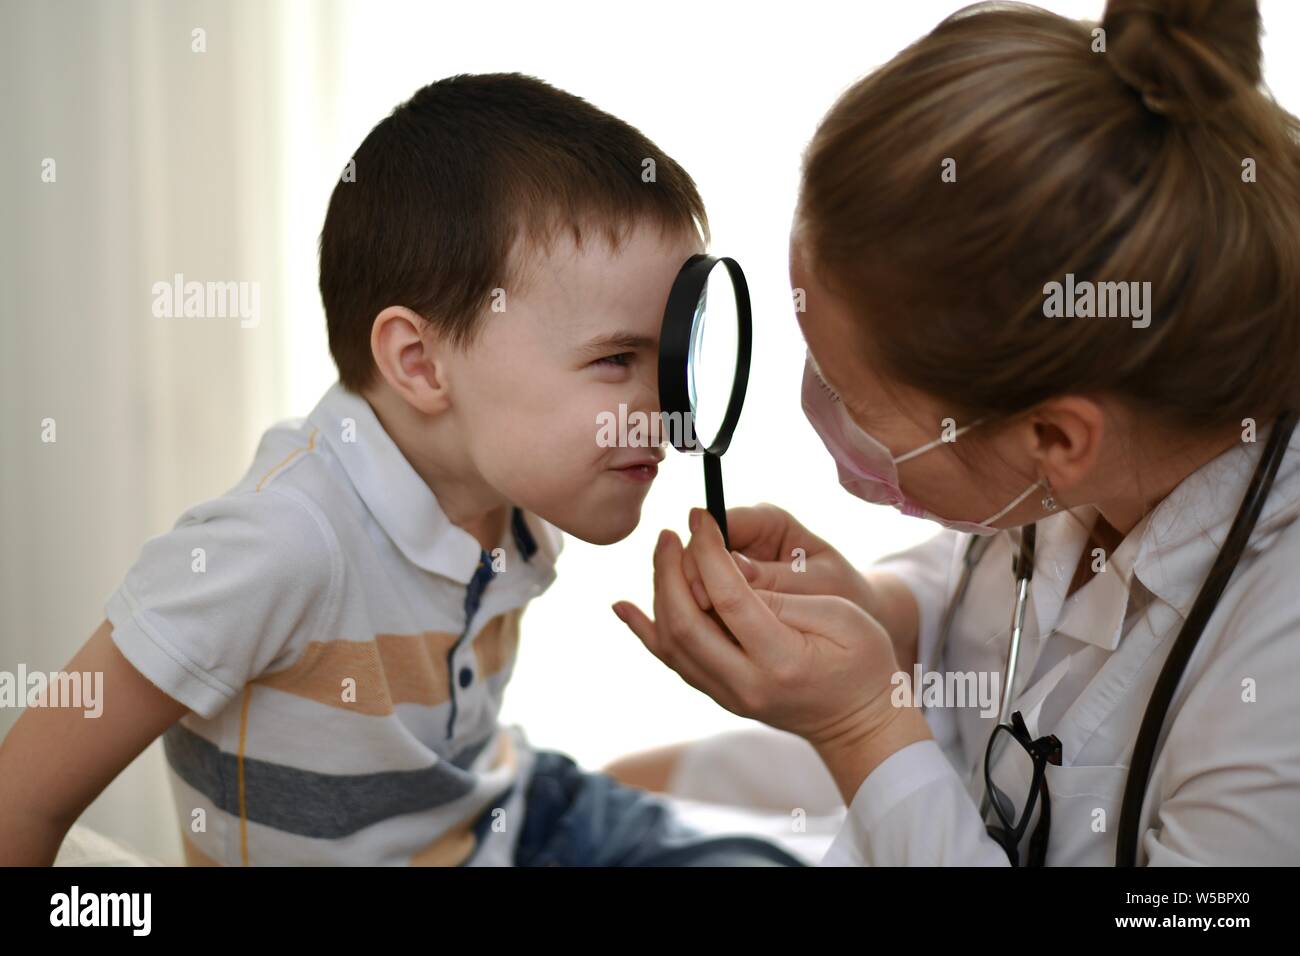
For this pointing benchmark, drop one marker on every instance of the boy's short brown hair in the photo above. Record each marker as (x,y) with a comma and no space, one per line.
(446,186)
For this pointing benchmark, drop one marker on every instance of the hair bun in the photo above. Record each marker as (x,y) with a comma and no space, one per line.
(1183,56)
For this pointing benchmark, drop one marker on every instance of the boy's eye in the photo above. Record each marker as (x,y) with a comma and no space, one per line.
(621,359)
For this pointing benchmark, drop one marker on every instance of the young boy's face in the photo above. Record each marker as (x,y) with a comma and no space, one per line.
(579,338)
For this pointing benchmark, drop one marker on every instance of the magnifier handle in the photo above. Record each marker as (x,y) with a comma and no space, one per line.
(713,493)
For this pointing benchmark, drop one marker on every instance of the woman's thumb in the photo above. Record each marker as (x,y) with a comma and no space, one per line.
(765,574)
(747,567)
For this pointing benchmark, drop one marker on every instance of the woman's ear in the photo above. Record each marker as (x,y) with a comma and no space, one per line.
(1065,438)
(411,358)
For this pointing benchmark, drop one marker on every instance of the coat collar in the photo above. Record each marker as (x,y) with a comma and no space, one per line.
(1169,552)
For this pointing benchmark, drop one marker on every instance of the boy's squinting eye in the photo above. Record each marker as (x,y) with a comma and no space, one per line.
(621,359)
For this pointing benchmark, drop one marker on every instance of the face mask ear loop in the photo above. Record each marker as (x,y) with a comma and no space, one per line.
(1019,498)
(938,441)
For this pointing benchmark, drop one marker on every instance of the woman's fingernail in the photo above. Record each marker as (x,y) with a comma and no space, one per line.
(620,610)
(694,520)
(746,566)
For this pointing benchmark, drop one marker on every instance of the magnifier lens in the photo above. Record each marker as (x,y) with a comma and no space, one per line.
(696,344)
(714,351)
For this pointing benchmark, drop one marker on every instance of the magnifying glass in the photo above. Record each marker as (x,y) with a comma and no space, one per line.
(704,350)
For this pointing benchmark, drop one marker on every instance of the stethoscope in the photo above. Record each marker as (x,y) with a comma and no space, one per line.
(1207,599)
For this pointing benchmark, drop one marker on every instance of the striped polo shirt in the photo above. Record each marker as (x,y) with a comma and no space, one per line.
(343,649)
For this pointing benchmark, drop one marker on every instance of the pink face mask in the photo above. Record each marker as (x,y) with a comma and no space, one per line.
(866,467)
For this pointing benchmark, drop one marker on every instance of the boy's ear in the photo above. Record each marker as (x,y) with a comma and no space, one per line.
(410,359)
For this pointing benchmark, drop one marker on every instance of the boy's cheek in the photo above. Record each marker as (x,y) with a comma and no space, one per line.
(536,457)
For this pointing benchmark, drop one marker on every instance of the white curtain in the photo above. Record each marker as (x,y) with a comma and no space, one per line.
(133,148)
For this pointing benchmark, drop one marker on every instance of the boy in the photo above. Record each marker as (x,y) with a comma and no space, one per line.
(325,647)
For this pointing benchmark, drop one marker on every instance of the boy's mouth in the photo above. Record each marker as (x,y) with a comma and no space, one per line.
(642,470)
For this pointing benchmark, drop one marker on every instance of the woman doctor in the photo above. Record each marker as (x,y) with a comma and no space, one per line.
(942,196)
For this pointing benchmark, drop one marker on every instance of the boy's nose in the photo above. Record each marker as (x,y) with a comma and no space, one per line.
(647,397)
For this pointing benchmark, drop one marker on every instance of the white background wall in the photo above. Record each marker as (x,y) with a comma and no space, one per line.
(219,165)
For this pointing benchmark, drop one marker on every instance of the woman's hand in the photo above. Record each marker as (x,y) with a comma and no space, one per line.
(777,553)
(814,665)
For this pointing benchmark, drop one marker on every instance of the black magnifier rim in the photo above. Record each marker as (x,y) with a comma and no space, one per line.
(675,348)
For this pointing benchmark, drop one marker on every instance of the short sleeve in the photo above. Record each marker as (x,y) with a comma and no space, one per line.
(213,603)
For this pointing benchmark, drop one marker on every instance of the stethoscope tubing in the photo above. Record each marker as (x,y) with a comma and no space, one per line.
(1206,600)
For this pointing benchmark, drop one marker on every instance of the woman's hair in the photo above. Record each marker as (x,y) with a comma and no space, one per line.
(1011,148)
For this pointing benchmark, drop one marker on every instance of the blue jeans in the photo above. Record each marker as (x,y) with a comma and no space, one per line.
(578,818)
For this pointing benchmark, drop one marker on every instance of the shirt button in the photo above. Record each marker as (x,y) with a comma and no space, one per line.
(466,676)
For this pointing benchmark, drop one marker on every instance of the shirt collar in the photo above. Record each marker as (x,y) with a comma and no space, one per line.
(403,504)
(1169,551)
(1095,613)
(1188,528)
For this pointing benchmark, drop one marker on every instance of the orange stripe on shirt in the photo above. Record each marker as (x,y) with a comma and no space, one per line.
(371,677)
(311,443)
(243,808)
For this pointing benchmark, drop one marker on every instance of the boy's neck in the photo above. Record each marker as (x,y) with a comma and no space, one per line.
(433,450)
(489,530)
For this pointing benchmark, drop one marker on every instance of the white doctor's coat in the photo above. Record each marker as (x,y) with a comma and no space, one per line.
(1225,785)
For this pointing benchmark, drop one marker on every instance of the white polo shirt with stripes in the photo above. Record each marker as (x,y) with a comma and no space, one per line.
(343,649)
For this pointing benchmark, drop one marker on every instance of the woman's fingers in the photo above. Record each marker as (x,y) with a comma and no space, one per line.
(672,593)
(692,575)
(769,575)
(811,613)
(638,623)
(768,533)
(767,545)
(684,631)
(648,632)
(679,617)
(757,531)
(828,616)
(740,611)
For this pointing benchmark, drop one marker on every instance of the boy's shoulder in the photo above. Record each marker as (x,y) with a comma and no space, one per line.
(339,467)
(239,582)
(298,477)
(291,460)
(317,483)
(285,504)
